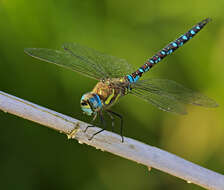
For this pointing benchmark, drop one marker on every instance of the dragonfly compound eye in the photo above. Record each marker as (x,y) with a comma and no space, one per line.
(84,103)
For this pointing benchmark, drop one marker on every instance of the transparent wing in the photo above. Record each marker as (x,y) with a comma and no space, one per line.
(110,66)
(63,59)
(163,103)
(169,95)
(83,60)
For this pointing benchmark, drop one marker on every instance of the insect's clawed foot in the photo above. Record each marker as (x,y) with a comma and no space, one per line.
(91,138)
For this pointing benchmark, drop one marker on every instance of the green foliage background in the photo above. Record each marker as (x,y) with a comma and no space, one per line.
(34,157)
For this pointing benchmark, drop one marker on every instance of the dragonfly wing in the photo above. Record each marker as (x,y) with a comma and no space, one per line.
(169,95)
(110,66)
(65,59)
(161,102)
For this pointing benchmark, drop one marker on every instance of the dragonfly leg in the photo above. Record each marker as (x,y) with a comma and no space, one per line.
(121,118)
(89,126)
(103,123)
(94,118)
(112,119)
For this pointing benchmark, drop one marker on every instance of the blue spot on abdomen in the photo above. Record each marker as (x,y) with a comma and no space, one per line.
(130,78)
(192,32)
(184,37)
(174,44)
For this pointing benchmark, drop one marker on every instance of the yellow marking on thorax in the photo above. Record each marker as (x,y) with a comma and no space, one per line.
(109,98)
(122,79)
(117,97)
(86,106)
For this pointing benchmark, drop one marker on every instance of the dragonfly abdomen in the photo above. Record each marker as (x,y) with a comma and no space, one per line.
(170,48)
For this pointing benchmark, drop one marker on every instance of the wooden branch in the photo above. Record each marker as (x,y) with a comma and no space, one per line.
(107,141)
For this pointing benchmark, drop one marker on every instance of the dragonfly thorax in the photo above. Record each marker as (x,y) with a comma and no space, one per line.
(90,103)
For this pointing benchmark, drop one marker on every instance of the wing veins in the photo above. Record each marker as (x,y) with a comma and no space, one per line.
(84,60)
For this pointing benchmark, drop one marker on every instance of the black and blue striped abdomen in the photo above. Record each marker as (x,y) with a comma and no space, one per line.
(170,48)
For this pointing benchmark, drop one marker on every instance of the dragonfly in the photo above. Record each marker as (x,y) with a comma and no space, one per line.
(116,79)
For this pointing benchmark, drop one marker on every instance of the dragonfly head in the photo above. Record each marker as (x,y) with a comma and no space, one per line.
(90,103)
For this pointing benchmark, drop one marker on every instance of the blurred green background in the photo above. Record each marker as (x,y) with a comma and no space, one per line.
(35,157)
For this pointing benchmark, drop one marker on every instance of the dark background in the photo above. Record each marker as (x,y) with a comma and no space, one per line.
(35,157)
